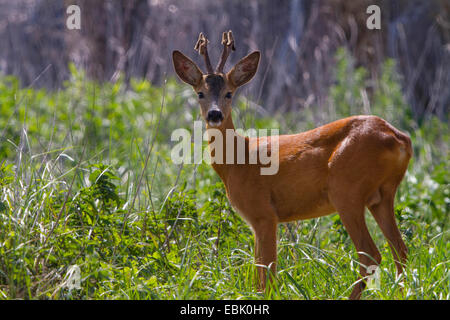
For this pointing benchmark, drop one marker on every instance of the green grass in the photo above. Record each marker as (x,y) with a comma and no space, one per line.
(86,179)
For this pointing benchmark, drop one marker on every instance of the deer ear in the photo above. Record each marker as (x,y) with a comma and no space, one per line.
(186,69)
(244,70)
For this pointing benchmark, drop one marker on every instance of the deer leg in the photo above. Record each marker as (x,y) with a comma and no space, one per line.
(383,212)
(265,250)
(352,218)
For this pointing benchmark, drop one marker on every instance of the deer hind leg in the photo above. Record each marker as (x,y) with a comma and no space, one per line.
(383,212)
(352,217)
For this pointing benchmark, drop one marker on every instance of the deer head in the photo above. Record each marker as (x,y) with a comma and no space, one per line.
(215,89)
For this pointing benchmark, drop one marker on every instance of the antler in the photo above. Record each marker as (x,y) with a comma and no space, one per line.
(228,46)
(200,46)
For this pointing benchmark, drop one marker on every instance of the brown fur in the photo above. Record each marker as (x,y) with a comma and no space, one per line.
(342,167)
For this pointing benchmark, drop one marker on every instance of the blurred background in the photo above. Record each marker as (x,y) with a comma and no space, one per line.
(86,120)
(298,39)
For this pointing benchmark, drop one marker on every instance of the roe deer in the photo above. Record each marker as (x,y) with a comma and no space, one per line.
(343,167)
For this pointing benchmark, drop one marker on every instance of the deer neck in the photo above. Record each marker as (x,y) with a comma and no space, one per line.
(232,142)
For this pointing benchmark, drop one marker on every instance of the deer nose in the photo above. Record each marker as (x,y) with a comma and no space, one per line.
(214,115)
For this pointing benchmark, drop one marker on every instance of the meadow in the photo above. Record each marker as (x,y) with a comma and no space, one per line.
(86,180)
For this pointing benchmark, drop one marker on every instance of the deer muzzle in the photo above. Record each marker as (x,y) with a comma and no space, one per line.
(214,117)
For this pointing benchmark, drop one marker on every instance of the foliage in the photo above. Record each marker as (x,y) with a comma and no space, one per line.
(86,180)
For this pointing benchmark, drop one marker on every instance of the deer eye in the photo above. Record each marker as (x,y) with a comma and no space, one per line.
(200,95)
(228,95)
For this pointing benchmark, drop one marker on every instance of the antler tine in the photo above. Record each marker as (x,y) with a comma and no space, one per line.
(201,47)
(228,46)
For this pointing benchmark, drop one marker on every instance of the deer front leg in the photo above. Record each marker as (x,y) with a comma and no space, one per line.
(265,250)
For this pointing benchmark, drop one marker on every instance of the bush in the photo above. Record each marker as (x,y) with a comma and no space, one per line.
(86,180)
